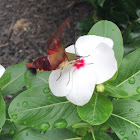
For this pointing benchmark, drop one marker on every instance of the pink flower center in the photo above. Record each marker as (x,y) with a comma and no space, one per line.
(79,63)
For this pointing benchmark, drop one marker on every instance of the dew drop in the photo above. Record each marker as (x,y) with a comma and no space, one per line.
(125,138)
(122,133)
(42,132)
(46,90)
(45,126)
(27,134)
(61,123)
(138,115)
(12,132)
(138,89)
(25,122)
(133,94)
(131,109)
(27,86)
(49,97)
(25,104)
(134,133)
(14,116)
(18,104)
(33,126)
(131,80)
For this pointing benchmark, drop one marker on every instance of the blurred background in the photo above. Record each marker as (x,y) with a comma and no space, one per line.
(26,26)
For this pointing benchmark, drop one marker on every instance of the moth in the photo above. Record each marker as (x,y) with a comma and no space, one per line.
(56,57)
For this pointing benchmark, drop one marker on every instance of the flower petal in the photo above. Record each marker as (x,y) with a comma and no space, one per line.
(85,45)
(83,86)
(105,63)
(71,49)
(60,83)
(2,70)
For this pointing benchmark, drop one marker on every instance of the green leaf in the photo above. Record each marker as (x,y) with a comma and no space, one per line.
(6,137)
(11,127)
(97,135)
(79,125)
(32,134)
(115,92)
(131,47)
(2,111)
(108,29)
(5,79)
(125,119)
(85,25)
(97,110)
(132,33)
(17,79)
(39,108)
(129,74)
(33,81)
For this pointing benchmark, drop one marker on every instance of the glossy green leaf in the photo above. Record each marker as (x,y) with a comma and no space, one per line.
(108,29)
(79,125)
(97,110)
(81,131)
(97,135)
(11,127)
(32,134)
(38,108)
(115,92)
(5,79)
(17,79)
(2,111)
(33,81)
(125,119)
(131,47)
(129,74)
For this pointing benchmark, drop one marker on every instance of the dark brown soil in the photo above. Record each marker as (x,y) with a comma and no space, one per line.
(27,25)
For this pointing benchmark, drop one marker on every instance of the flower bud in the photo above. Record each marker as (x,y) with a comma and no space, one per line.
(100,88)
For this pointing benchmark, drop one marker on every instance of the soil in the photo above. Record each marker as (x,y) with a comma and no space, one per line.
(26,26)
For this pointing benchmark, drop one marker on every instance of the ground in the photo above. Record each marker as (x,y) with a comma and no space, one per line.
(26,26)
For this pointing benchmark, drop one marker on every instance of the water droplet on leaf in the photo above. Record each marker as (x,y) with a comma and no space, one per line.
(125,138)
(46,90)
(138,89)
(18,104)
(25,122)
(49,97)
(131,80)
(134,133)
(25,104)
(45,126)
(122,133)
(27,86)
(33,126)
(12,132)
(131,110)
(14,116)
(61,123)
(42,132)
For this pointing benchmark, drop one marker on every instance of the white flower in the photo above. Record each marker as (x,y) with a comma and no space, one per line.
(2,70)
(97,65)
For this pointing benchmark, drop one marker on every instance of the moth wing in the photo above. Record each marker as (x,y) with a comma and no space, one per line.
(55,43)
